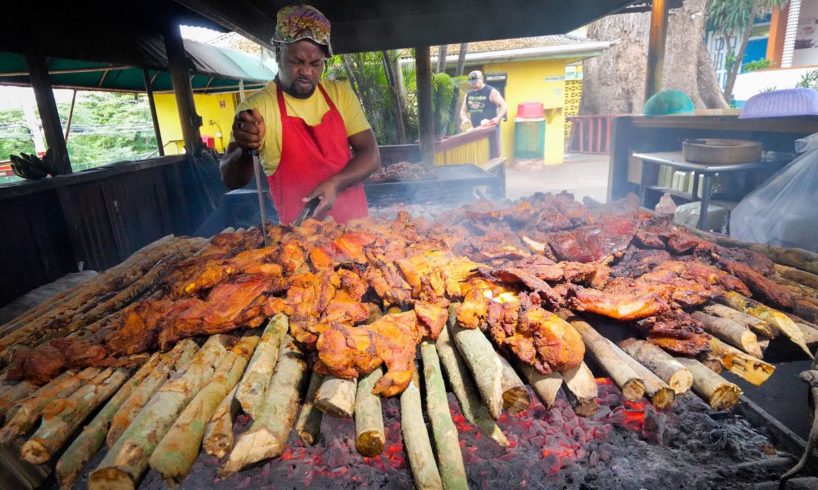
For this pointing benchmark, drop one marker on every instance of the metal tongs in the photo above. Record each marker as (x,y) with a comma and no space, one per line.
(307,212)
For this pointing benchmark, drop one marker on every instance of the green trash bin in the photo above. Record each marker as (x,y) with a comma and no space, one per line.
(529,138)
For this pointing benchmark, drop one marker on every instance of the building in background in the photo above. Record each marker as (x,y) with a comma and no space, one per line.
(787,38)
(541,69)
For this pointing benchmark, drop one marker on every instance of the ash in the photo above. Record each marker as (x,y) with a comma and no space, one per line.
(625,445)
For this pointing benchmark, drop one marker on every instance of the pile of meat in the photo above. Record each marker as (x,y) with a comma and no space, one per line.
(364,295)
(403,172)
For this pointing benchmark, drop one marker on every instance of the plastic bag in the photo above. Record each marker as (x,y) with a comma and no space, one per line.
(784,210)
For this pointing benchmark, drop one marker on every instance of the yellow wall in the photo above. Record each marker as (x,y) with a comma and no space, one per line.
(535,81)
(216,108)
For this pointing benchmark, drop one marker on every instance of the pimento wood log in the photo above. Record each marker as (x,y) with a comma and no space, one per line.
(462,383)
(660,394)
(308,425)
(545,386)
(253,386)
(268,435)
(21,390)
(760,327)
(218,437)
(515,395)
(719,393)
(416,439)
(174,363)
(62,417)
(662,364)
(600,350)
(336,396)
(770,315)
(796,275)
(174,456)
(370,437)
(739,363)
(79,296)
(28,410)
(581,389)
(86,445)
(449,457)
(484,365)
(731,332)
(127,460)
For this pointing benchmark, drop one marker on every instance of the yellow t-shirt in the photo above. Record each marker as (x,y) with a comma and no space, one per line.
(311,110)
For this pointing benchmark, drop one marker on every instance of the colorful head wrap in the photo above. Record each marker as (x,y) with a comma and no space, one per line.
(297,22)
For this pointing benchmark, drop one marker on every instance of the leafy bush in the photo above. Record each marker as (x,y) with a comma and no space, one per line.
(809,80)
(756,65)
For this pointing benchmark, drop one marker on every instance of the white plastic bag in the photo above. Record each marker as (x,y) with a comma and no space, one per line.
(784,210)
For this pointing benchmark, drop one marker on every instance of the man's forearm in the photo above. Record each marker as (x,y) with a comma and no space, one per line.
(358,169)
(236,167)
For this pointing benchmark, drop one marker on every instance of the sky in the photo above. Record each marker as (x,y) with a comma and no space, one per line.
(11,97)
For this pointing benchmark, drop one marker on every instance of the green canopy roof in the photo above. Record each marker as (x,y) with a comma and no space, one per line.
(213,69)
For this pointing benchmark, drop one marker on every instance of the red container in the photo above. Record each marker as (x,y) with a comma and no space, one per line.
(531,110)
(209,141)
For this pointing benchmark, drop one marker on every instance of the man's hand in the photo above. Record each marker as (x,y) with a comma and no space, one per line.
(327,192)
(249,130)
(495,121)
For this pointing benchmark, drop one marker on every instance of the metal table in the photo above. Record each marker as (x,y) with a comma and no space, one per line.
(674,159)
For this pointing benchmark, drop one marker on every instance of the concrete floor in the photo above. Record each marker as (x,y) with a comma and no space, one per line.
(583,175)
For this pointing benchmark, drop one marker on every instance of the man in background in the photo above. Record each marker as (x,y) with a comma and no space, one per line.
(483,104)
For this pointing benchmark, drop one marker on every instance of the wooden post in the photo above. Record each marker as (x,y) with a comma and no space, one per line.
(70,117)
(38,72)
(423,73)
(154,117)
(177,63)
(656,48)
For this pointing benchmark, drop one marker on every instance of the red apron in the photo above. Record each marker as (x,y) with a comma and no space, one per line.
(310,155)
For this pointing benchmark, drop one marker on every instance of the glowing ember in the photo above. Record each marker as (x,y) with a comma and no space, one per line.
(623,445)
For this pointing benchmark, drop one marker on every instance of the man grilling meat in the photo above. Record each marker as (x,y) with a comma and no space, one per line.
(304,127)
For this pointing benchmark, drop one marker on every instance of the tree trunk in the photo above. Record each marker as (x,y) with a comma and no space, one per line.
(614,83)
(732,74)
(397,92)
(461,59)
(441,58)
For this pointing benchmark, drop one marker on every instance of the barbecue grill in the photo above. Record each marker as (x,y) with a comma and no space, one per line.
(630,412)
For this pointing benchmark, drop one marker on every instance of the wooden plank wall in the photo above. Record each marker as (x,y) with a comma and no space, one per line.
(98,220)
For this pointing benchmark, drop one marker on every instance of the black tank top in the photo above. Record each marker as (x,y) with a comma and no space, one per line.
(480,106)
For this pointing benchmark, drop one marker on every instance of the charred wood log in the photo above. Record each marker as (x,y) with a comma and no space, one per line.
(268,435)
(449,457)
(174,362)
(752,369)
(62,417)
(665,366)
(86,445)
(416,439)
(719,393)
(731,332)
(253,386)
(370,437)
(336,396)
(174,456)
(463,386)
(308,425)
(127,460)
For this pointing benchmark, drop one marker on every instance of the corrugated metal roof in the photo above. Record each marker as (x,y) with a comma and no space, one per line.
(521,43)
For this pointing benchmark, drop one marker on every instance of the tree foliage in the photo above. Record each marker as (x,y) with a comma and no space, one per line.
(105,127)
(734,18)
(366,72)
